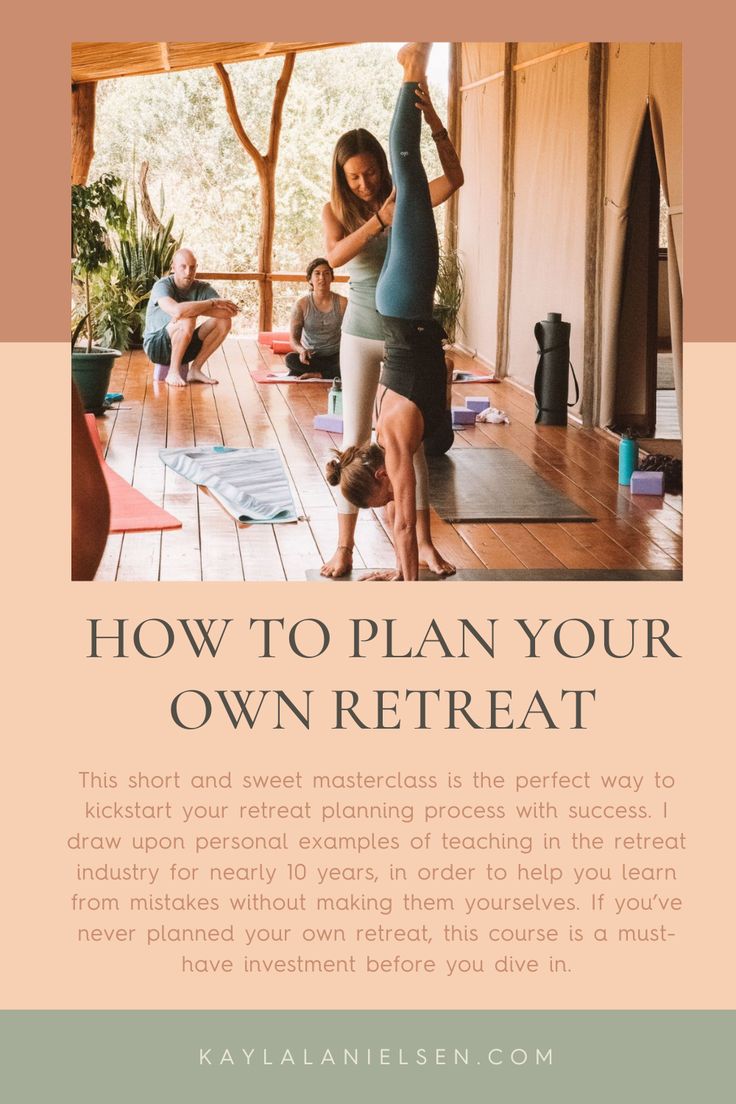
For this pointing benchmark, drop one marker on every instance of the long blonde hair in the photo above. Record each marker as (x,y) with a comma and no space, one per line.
(354,472)
(349,209)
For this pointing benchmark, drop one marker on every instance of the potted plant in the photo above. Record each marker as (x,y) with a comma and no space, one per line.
(448,297)
(143,254)
(448,294)
(96,209)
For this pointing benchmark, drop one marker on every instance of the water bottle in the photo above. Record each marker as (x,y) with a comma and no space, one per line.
(334,398)
(628,456)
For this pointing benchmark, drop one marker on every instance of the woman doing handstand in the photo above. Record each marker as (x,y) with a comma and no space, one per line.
(356,222)
(412,387)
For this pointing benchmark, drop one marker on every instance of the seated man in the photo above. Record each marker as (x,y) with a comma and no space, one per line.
(171,335)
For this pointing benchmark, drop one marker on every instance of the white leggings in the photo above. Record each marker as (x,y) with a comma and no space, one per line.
(360,367)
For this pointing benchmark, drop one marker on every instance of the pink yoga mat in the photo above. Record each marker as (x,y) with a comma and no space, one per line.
(129,509)
(268,375)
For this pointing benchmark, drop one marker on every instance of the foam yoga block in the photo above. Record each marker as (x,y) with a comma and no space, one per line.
(280,346)
(477,403)
(161,371)
(647,482)
(330,422)
(462,416)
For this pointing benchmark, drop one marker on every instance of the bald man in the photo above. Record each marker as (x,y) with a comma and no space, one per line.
(172,335)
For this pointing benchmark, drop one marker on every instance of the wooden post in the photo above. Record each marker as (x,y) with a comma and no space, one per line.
(590,405)
(454,130)
(83,130)
(506,232)
(266,168)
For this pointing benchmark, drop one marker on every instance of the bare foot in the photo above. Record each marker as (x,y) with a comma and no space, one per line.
(429,555)
(197,376)
(173,379)
(413,56)
(340,564)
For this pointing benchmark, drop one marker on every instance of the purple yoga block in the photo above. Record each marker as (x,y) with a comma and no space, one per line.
(462,416)
(331,422)
(477,403)
(161,371)
(647,482)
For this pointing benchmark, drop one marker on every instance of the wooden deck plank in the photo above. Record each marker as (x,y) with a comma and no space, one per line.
(630,530)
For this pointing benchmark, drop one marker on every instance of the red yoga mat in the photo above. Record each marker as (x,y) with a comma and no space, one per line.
(129,509)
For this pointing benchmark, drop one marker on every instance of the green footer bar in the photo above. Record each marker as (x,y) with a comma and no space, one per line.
(192,1057)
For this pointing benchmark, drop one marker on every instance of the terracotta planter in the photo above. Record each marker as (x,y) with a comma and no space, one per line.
(91,373)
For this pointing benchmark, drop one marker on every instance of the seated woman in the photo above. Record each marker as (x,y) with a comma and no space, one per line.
(412,394)
(315,326)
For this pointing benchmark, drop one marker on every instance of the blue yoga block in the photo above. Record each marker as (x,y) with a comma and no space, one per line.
(647,482)
(477,403)
(330,422)
(462,416)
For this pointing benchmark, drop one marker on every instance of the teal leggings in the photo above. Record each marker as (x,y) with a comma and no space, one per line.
(406,285)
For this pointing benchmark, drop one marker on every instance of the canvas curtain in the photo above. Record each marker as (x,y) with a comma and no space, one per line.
(548,257)
(642,77)
(480,197)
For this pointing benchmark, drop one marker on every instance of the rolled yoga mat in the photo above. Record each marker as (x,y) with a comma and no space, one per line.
(524,575)
(493,484)
(553,371)
(251,484)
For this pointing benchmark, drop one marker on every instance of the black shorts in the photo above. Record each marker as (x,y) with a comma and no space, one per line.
(157,347)
(414,366)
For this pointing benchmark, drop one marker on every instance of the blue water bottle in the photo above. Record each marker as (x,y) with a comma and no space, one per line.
(628,456)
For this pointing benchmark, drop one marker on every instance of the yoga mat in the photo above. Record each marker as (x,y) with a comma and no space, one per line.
(250,484)
(526,575)
(267,375)
(470,377)
(130,511)
(493,484)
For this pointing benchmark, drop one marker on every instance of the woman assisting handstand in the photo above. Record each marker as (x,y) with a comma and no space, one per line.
(411,400)
(356,225)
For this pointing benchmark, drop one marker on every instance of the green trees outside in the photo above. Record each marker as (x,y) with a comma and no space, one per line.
(178,123)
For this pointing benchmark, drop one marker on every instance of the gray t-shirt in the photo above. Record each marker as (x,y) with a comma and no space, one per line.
(156,317)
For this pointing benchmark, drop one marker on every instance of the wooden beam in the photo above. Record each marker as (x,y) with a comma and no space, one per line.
(525,65)
(454,129)
(276,277)
(590,405)
(83,130)
(165,59)
(506,231)
(266,169)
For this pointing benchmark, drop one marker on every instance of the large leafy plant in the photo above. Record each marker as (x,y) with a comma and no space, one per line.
(97,209)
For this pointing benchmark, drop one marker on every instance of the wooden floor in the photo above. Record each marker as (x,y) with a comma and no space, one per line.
(631,531)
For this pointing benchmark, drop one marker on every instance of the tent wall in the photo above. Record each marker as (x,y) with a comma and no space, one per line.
(479,200)
(548,262)
(549,196)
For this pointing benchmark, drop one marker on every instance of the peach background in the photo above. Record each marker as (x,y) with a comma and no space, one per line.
(66,713)
(63,713)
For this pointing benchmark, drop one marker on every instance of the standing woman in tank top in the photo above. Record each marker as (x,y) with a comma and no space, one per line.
(356,222)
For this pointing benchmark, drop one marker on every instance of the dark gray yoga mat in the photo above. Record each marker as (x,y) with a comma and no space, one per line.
(528,575)
(493,484)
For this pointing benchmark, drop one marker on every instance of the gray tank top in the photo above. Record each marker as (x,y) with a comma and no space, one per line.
(321,330)
(361,317)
